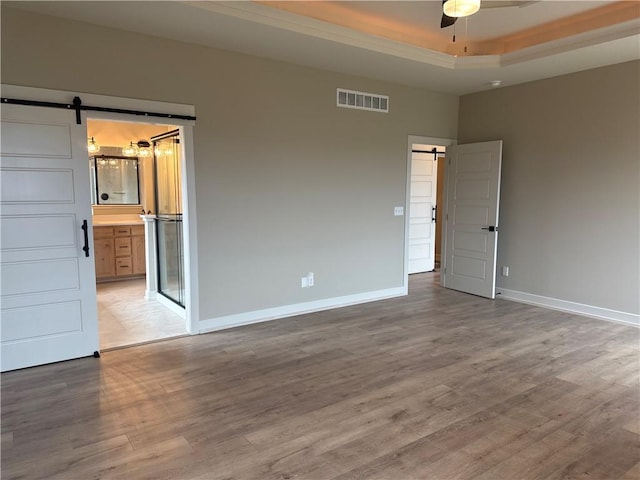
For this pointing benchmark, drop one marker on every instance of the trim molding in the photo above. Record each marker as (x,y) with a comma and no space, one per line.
(338,23)
(268,314)
(571,307)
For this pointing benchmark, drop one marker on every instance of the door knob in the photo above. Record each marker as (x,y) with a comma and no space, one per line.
(491,228)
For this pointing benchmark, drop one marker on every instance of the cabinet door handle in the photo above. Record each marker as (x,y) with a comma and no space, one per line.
(85,228)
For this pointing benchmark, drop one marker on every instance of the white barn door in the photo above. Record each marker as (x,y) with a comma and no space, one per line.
(422,211)
(47,285)
(471,221)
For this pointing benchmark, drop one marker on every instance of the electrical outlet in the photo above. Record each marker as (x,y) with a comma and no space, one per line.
(310,279)
(304,282)
(398,211)
(505,271)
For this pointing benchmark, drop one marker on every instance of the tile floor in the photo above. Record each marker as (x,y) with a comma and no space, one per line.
(126,318)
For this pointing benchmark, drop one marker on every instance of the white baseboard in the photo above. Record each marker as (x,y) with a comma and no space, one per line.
(257,316)
(571,307)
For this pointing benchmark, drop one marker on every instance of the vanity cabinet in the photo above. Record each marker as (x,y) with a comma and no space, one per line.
(104,252)
(138,258)
(119,251)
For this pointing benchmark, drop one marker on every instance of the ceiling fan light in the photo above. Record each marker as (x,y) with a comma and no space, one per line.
(460,8)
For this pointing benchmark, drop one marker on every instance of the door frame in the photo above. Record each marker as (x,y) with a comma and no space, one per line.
(188,164)
(411,139)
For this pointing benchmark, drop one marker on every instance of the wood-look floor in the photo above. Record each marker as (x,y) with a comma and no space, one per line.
(436,385)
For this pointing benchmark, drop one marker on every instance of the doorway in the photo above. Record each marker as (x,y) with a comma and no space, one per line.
(52,174)
(128,192)
(425,187)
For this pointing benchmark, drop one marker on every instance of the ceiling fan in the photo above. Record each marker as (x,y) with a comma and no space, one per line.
(447,20)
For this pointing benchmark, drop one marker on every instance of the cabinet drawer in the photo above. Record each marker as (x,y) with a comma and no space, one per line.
(123,266)
(122,231)
(123,246)
(137,230)
(102,232)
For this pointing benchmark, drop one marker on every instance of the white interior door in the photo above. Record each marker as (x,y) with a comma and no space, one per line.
(422,210)
(48,283)
(471,221)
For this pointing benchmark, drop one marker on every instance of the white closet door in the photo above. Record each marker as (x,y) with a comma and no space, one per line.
(422,225)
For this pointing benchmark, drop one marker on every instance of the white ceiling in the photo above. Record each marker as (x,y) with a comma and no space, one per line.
(262,30)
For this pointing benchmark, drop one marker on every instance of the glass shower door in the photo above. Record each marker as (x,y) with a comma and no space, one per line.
(169,216)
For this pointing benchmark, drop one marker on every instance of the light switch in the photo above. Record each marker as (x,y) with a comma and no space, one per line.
(398,211)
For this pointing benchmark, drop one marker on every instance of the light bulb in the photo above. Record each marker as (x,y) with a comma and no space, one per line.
(144,152)
(130,150)
(164,150)
(92,145)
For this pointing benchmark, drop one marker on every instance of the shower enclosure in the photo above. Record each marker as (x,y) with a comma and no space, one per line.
(168,178)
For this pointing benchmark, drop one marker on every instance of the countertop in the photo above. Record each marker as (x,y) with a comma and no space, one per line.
(117,223)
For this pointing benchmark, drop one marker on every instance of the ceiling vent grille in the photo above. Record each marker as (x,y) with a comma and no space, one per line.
(362,100)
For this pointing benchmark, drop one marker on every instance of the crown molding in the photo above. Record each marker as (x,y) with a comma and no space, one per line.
(627,30)
(274,17)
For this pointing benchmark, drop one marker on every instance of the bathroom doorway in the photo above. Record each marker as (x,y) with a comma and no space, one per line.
(125,193)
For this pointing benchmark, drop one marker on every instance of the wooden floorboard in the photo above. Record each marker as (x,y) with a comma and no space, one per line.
(435,385)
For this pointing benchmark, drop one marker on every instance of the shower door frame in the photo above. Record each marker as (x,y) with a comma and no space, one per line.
(178,220)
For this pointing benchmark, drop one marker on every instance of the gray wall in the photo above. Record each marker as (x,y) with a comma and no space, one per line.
(570,201)
(286,183)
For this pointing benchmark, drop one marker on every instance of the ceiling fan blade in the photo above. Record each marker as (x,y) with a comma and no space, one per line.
(446,20)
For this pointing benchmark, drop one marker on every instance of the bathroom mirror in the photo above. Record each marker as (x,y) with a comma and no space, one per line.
(114,180)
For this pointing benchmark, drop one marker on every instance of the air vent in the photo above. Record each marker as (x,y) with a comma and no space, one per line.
(362,100)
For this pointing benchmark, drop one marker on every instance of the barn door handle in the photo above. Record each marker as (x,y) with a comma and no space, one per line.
(434,213)
(491,228)
(85,228)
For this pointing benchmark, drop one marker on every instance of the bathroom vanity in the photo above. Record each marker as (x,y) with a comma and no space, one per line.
(119,251)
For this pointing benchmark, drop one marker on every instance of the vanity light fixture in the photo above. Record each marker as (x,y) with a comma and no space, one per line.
(144,149)
(163,149)
(92,145)
(130,150)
